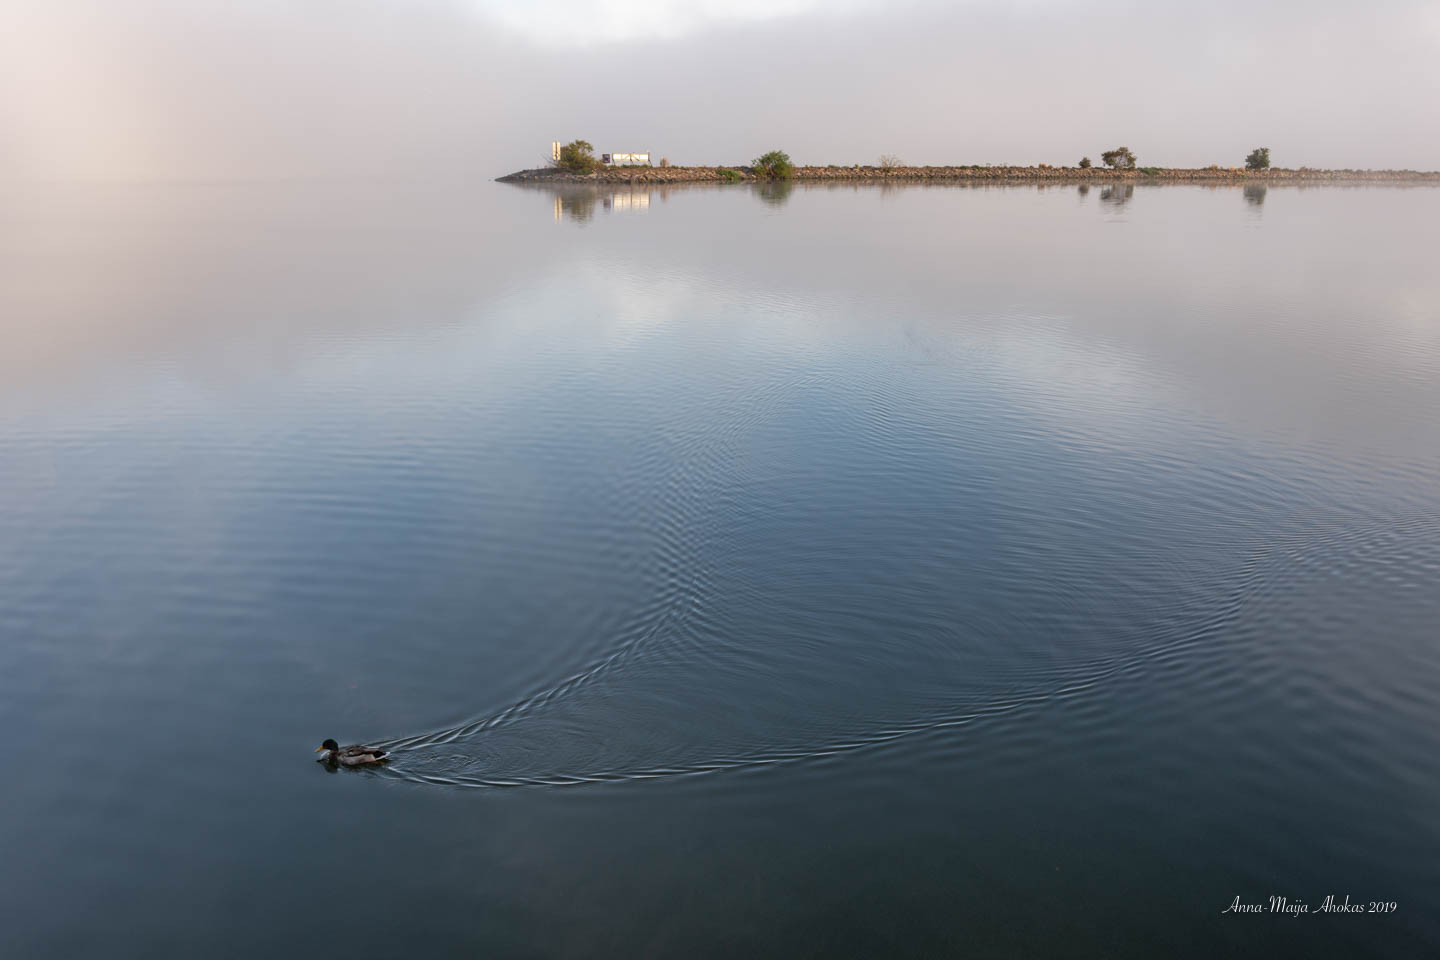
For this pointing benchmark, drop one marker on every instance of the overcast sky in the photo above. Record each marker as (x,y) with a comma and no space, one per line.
(129,89)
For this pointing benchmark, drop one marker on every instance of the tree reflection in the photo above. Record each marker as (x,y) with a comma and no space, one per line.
(577,205)
(1117,195)
(1255,194)
(775,192)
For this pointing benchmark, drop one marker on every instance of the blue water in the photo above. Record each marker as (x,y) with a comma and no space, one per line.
(730,571)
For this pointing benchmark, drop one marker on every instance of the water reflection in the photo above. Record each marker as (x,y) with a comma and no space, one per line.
(1255,194)
(830,218)
(577,205)
(1117,195)
(718,507)
(776,193)
(629,201)
(170,276)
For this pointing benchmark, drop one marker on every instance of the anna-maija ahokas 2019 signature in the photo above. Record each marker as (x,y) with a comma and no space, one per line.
(1331,904)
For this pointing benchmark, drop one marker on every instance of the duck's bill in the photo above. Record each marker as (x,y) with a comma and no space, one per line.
(318,749)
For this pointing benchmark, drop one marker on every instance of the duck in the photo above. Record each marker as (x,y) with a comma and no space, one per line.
(355,755)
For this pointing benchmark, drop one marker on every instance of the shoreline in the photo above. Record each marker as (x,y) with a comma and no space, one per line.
(973,174)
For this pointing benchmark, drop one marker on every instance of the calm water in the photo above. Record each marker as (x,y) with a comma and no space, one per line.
(872,572)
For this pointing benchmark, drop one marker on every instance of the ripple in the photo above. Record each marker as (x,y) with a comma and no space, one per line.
(679,647)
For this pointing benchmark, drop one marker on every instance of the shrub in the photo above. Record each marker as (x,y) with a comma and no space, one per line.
(774,165)
(578,156)
(664,161)
(1152,171)
(1259,159)
(730,176)
(1085,163)
(888,161)
(1120,158)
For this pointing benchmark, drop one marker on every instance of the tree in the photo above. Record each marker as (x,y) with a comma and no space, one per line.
(774,165)
(1259,159)
(1120,158)
(888,161)
(577,156)
(1084,163)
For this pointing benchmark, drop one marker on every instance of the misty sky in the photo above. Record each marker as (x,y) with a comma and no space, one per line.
(142,89)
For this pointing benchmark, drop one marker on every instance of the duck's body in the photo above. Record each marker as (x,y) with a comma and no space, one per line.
(354,755)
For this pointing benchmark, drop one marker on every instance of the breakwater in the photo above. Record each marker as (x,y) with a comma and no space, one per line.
(975,174)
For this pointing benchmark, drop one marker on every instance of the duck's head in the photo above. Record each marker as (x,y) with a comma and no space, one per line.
(330,745)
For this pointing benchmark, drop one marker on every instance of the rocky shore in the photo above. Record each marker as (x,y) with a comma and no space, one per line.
(976,174)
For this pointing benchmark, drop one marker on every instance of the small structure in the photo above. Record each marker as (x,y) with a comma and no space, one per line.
(625,159)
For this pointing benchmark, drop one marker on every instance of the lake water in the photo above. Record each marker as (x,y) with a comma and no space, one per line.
(818,572)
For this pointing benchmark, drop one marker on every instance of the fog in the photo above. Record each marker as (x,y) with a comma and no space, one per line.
(205,89)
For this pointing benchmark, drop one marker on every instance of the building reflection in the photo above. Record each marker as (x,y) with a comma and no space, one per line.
(629,201)
(579,204)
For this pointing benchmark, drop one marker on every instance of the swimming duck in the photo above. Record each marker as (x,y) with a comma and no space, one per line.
(354,755)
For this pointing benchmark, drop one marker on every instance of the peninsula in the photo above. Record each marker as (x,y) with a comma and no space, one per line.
(971,174)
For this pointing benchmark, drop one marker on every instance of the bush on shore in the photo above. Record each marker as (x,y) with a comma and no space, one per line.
(1084,163)
(578,156)
(1259,159)
(774,165)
